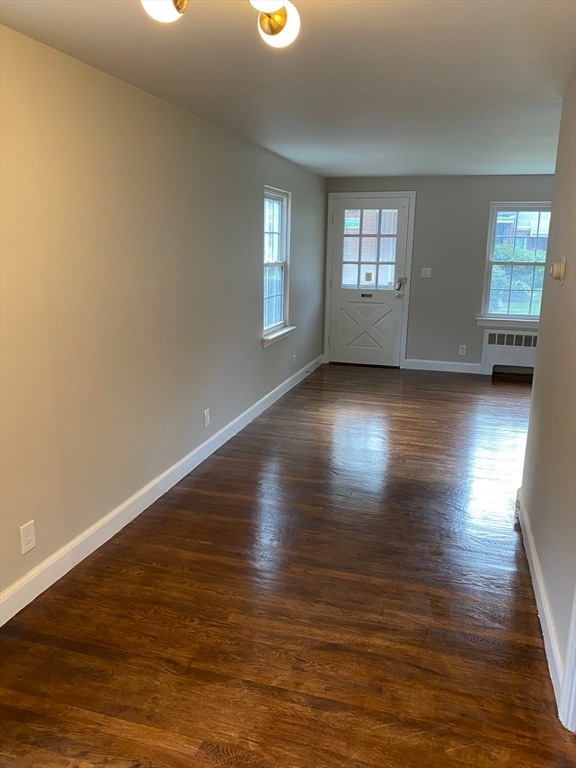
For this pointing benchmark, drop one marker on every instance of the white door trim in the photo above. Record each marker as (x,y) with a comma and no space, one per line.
(330,241)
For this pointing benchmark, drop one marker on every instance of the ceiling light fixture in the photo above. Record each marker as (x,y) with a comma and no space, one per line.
(165,11)
(278,20)
(279,27)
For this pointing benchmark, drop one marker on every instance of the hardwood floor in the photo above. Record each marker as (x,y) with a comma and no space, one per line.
(342,585)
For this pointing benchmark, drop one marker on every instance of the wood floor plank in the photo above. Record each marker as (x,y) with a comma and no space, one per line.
(342,585)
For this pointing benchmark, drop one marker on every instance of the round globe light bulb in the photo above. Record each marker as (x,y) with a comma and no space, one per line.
(165,11)
(290,32)
(266,6)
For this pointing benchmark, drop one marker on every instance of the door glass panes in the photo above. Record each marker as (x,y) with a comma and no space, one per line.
(386,277)
(369,248)
(387,249)
(516,261)
(351,246)
(389,223)
(350,276)
(370,222)
(368,277)
(352,221)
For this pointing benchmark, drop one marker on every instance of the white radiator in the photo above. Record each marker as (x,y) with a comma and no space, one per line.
(516,348)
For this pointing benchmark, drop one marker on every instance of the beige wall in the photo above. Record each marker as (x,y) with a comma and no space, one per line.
(450,233)
(131,290)
(549,483)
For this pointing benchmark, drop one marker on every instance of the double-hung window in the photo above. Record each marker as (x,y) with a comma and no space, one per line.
(276,260)
(516,254)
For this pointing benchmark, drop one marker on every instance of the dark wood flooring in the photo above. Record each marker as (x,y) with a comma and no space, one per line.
(342,585)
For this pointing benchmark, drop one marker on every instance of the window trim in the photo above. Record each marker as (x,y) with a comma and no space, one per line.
(486,317)
(282,329)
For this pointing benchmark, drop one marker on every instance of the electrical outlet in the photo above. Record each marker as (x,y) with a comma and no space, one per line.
(293,361)
(207,417)
(27,537)
(462,349)
(426,272)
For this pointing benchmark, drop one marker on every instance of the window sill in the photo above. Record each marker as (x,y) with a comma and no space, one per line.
(507,322)
(275,335)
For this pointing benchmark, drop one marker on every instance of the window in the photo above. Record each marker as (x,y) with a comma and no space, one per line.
(517,243)
(276,252)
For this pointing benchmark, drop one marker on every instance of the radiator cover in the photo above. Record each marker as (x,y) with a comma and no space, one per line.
(502,347)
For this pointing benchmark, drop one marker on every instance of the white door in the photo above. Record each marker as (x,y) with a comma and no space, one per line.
(369,242)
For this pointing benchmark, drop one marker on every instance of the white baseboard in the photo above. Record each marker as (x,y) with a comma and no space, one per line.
(22,592)
(551,645)
(432,365)
(440,365)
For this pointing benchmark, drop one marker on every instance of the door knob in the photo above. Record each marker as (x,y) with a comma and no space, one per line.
(400,283)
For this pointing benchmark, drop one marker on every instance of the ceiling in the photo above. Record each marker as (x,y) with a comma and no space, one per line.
(370,87)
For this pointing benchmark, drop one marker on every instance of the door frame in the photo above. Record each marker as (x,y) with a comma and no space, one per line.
(333,197)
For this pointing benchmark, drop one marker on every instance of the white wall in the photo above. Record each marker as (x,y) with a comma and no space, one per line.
(450,233)
(131,290)
(549,482)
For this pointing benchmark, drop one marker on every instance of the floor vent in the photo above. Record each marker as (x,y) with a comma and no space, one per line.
(509,349)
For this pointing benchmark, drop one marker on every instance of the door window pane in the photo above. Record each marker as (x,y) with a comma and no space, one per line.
(389,223)
(369,249)
(349,276)
(368,277)
(352,221)
(350,251)
(370,222)
(387,249)
(385,276)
